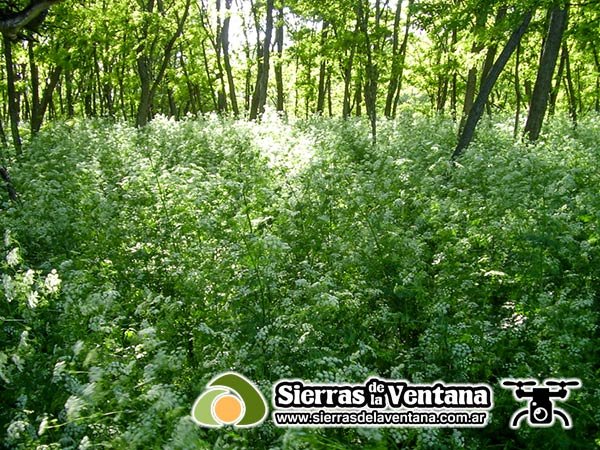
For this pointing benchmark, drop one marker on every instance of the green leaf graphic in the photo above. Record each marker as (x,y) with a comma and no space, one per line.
(256,405)
(202,411)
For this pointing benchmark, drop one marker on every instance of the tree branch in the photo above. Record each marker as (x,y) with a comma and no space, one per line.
(15,22)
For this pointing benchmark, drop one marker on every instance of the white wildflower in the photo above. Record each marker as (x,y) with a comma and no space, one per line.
(16,429)
(13,258)
(85,443)
(33,299)
(28,277)
(7,238)
(52,282)
(73,406)
(9,287)
(43,426)
(77,347)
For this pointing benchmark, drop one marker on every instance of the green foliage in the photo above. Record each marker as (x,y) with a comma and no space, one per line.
(140,263)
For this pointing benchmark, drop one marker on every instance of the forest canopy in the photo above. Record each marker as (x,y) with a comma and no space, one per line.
(134,60)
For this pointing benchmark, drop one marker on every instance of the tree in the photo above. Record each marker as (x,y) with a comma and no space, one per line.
(371,47)
(322,69)
(152,64)
(227,60)
(487,86)
(543,82)
(12,22)
(12,25)
(259,99)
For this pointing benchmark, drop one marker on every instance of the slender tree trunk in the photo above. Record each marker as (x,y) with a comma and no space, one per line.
(38,118)
(347,75)
(453,79)
(517,91)
(402,55)
(12,193)
(543,82)
(35,87)
(3,140)
(259,99)
(296,90)
(442,94)
(173,110)
(493,48)
(227,59)
(69,94)
(471,85)
(556,88)
(97,77)
(151,79)
(358,95)
(248,56)
(442,83)
(144,107)
(371,71)
(209,78)
(597,64)
(279,32)
(322,70)
(487,86)
(393,84)
(570,89)
(218,45)
(329,101)
(13,105)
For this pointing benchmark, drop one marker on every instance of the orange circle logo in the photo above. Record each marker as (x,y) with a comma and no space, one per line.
(227,409)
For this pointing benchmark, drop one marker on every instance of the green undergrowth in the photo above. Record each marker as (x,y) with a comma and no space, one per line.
(139,264)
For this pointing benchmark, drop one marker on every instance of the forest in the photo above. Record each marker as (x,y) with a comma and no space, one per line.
(323,190)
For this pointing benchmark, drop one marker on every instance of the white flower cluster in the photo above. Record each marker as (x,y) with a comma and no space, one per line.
(52,282)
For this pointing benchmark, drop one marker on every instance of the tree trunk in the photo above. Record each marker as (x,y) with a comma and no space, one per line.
(148,83)
(12,24)
(491,52)
(329,100)
(597,64)
(322,70)
(12,193)
(471,85)
(279,32)
(218,45)
(487,86)
(543,82)
(209,78)
(69,94)
(393,84)
(144,106)
(248,58)
(517,91)
(371,71)
(3,140)
(347,75)
(358,95)
(13,105)
(227,60)
(556,88)
(259,99)
(570,89)
(38,119)
(35,87)
(442,82)
(402,55)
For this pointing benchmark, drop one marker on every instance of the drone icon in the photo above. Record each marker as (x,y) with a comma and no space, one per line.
(541,411)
